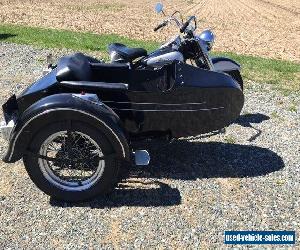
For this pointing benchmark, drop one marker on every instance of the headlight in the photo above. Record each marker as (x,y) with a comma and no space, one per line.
(208,37)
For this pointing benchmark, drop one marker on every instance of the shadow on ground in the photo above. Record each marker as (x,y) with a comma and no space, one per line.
(132,193)
(247,120)
(6,36)
(189,160)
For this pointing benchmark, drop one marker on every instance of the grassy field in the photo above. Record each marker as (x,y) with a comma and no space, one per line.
(268,28)
(52,38)
(283,75)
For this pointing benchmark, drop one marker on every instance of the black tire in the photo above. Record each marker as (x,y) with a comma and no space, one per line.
(236,75)
(103,184)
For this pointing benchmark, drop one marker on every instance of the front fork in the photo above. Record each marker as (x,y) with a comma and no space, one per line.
(204,57)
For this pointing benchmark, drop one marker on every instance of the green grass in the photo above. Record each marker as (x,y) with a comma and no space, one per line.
(293,108)
(230,139)
(283,75)
(275,115)
(51,38)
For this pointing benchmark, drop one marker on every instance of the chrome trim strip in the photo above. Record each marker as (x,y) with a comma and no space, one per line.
(100,85)
(62,109)
(169,110)
(150,103)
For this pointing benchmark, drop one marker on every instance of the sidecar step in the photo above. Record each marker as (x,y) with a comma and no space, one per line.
(141,157)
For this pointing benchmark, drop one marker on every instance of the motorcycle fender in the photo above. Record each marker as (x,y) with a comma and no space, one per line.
(225,64)
(66,107)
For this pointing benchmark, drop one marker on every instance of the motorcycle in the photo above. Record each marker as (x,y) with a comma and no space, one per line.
(74,126)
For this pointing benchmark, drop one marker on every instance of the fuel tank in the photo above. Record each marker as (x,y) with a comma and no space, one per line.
(162,57)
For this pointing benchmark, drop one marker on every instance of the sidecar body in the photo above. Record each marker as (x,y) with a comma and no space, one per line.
(176,99)
(74,126)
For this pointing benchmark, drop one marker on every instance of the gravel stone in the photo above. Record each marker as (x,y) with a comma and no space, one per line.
(195,188)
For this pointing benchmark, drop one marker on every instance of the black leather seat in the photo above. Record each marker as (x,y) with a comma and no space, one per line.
(74,68)
(129,54)
(79,67)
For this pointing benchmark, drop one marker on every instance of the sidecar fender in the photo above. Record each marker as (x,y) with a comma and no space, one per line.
(66,107)
(225,64)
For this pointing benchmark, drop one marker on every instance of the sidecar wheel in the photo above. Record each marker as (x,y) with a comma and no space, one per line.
(76,173)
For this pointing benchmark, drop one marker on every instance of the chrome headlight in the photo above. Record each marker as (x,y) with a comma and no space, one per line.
(208,37)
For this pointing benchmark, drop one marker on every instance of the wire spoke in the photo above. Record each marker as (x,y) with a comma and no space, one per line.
(71,149)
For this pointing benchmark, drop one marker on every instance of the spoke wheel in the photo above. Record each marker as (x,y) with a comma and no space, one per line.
(73,161)
(77,167)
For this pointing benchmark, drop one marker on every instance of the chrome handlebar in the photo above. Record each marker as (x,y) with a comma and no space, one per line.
(180,24)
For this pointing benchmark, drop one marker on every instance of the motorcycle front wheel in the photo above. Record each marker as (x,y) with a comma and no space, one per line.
(70,164)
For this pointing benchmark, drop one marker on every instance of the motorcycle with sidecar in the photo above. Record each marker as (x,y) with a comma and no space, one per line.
(73,127)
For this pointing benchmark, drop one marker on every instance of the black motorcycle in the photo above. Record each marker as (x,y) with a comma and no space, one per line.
(74,126)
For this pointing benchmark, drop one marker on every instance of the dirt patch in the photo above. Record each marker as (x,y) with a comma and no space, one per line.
(269,28)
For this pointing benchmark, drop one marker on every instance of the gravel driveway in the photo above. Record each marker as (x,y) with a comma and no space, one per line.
(193,190)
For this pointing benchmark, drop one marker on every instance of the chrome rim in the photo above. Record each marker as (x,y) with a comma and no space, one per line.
(76,165)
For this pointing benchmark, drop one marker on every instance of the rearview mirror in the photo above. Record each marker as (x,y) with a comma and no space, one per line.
(159,7)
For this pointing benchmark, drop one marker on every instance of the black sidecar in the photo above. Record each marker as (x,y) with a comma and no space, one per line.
(74,126)
(82,115)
